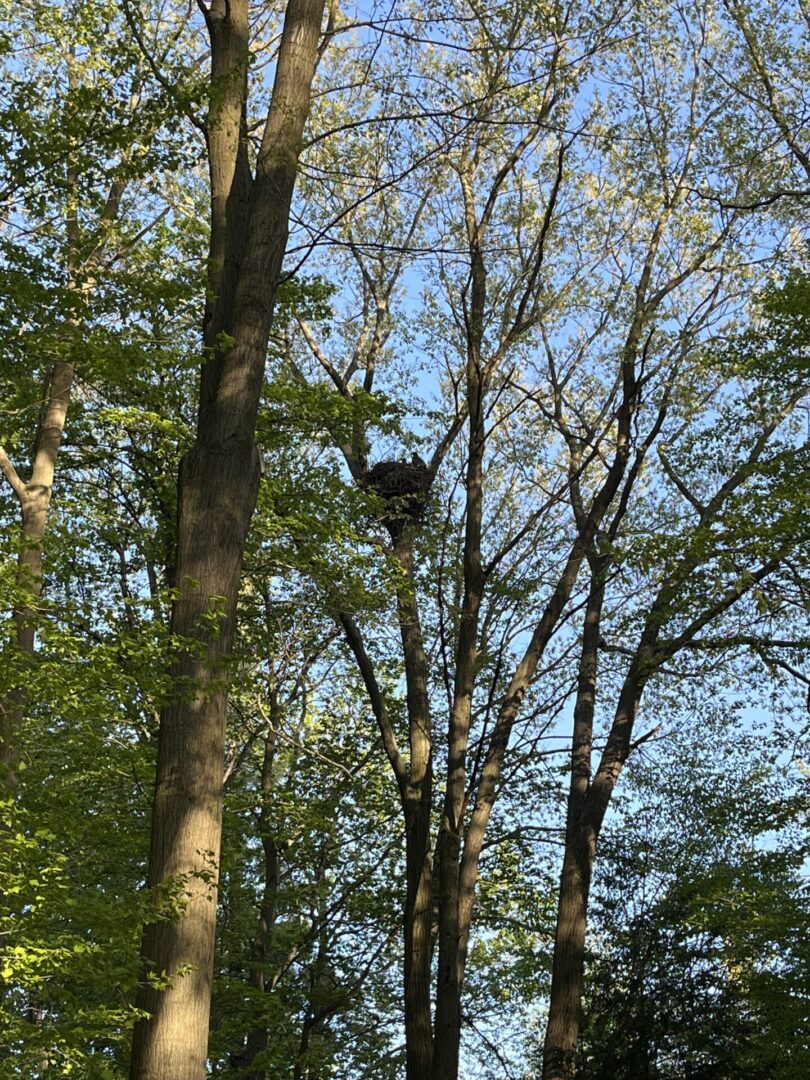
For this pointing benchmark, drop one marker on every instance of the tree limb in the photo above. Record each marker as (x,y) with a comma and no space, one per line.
(355,642)
(17,484)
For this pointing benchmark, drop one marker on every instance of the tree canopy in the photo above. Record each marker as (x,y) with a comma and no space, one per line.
(404,525)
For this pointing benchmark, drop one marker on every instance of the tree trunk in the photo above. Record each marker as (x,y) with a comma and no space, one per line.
(562,1033)
(447,1031)
(35,501)
(452,953)
(418,944)
(588,801)
(417,798)
(217,489)
(452,957)
(257,1036)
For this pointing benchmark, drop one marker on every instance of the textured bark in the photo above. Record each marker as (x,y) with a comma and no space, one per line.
(418,944)
(188,797)
(230,179)
(562,1033)
(217,489)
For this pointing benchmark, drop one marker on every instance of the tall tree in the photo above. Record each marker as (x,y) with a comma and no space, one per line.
(90,146)
(533,228)
(74,173)
(742,545)
(217,490)
(581,363)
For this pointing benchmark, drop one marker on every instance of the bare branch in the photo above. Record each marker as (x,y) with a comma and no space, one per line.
(449,438)
(153,64)
(679,484)
(355,642)
(735,641)
(322,358)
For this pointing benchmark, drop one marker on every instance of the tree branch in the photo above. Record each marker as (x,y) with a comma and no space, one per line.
(693,501)
(11,474)
(355,643)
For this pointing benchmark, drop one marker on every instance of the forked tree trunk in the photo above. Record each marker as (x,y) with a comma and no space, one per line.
(585,820)
(217,490)
(35,501)
(588,800)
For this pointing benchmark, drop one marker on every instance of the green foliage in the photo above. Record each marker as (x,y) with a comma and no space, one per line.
(66,944)
(701,919)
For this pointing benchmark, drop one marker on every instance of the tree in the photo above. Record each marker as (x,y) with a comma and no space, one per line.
(588,362)
(525,438)
(699,920)
(79,164)
(740,546)
(217,491)
(86,306)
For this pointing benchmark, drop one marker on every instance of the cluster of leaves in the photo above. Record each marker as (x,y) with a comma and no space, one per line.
(699,959)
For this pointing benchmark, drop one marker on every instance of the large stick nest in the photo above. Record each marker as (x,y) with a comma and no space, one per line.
(405,487)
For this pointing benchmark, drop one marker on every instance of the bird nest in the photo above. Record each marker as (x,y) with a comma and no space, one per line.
(405,487)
